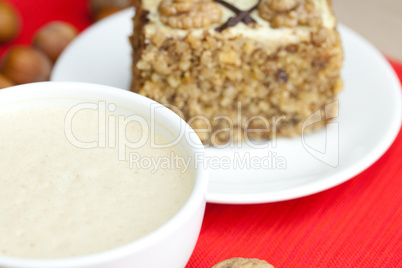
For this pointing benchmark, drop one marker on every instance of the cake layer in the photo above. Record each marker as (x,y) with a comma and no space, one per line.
(260,78)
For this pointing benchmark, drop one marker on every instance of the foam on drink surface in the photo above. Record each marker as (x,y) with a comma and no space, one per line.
(58,200)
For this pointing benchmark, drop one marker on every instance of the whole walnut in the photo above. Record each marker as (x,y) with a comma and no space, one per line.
(187,14)
(243,263)
(290,13)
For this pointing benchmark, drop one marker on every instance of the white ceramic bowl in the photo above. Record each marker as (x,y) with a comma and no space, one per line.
(172,244)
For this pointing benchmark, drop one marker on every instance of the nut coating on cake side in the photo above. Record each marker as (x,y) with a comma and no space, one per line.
(239,69)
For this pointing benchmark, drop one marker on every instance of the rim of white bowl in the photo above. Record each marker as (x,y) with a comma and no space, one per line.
(198,194)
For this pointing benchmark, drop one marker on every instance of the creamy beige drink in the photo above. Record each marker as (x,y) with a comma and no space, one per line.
(58,200)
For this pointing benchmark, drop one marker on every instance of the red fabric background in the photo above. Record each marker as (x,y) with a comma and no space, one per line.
(356,224)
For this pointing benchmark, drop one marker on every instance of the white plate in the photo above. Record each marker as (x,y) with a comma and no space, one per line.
(368,122)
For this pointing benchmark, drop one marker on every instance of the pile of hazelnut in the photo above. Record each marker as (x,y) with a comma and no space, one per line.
(28,64)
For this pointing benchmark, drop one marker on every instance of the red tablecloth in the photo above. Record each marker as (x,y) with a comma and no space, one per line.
(356,224)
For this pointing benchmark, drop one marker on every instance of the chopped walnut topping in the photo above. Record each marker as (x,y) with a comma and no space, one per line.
(289,13)
(209,74)
(187,14)
(281,76)
(320,36)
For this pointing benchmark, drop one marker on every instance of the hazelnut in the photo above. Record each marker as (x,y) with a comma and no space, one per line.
(52,38)
(102,8)
(25,65)
(9,22)
(5,82)
(105,13)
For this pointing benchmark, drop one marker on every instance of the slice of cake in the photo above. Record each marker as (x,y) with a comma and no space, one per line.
(238,69)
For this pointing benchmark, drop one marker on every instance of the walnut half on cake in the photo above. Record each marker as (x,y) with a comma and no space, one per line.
(238,69)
